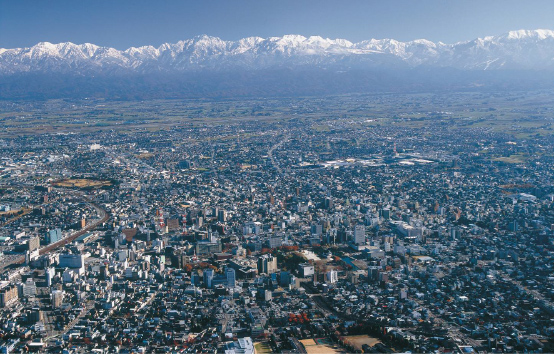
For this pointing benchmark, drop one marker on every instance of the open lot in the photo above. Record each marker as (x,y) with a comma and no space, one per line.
(81,183)
(321,346)
(358,341)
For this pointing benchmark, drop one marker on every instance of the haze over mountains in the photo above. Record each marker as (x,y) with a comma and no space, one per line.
(287,65)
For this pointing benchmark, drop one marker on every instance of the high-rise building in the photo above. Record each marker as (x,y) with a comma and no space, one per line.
(33,243)
(373,273)
(231,278)
(161,262)
(455,233)
(57,298)
(275,241)
(53,236)
(8,295)
(36,315)
(267,264)
(284,278)
(195,278)
(172,224)
(317,230)
(208,246)
(29,288)
(222,216)
(332,276)
(359,234)
(328,203)
(208,278)
(306,270)
(252,228)
(49,274)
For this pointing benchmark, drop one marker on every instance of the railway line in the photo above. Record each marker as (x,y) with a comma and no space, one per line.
(104,216)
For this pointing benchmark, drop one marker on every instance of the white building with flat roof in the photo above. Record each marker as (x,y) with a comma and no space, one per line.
(306,270)
(241,346)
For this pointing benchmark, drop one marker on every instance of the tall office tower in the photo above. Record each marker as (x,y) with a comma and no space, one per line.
(208,278)
(359,234)
(231,278)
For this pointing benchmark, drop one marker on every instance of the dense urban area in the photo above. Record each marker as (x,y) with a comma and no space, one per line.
(357,223)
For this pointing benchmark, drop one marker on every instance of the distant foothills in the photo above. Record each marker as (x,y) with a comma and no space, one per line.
(290,65)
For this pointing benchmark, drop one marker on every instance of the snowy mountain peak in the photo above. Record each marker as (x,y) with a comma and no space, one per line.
(46,48)
(537,34)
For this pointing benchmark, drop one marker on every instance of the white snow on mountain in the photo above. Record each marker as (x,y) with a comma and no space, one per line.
(523,49)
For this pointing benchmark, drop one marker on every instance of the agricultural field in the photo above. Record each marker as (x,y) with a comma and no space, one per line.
(521,114)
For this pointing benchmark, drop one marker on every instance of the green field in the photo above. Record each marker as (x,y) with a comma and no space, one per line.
(519,114)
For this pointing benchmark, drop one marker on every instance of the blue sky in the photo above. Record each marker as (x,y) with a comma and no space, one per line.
(124,23)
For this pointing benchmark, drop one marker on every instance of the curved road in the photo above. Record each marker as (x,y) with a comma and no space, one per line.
(270,154)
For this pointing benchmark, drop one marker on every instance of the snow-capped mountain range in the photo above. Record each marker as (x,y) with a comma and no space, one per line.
(517,50)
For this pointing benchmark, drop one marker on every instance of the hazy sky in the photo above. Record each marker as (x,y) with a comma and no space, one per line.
(125,23)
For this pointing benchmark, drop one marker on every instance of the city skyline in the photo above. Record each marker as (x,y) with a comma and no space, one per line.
(247,177)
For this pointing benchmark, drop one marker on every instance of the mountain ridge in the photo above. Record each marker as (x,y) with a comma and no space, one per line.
(290,65)
(514,50)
